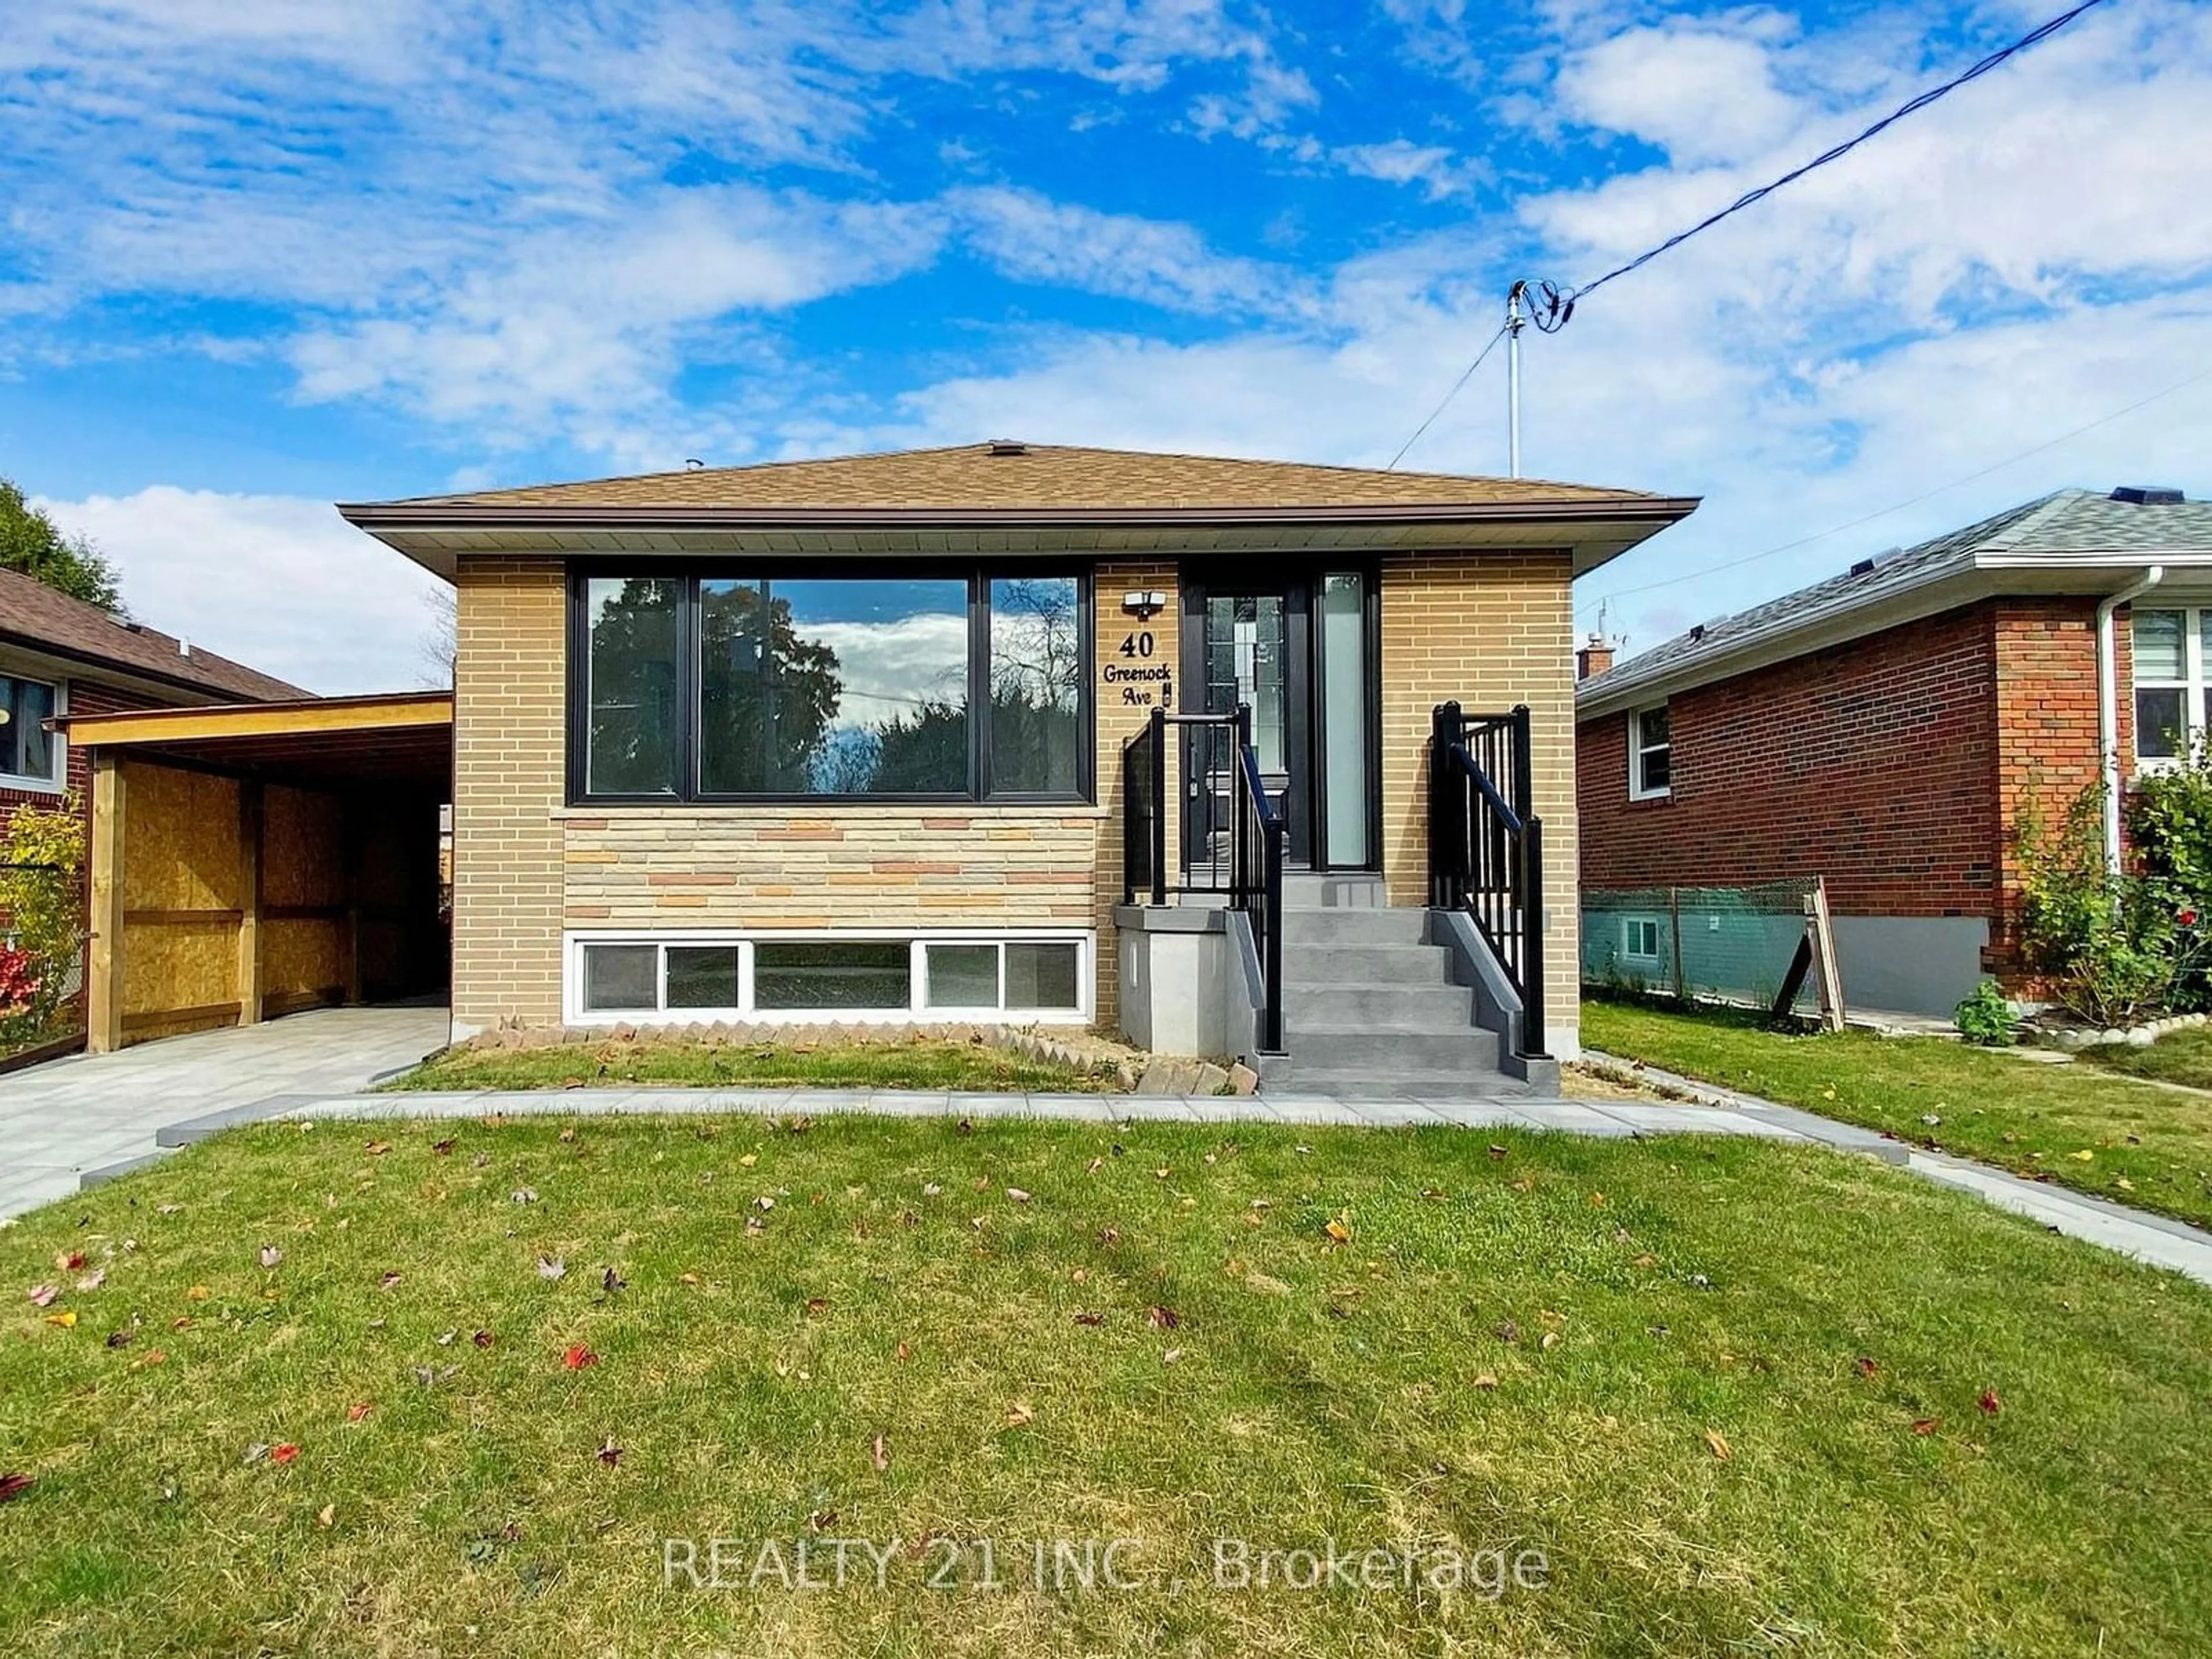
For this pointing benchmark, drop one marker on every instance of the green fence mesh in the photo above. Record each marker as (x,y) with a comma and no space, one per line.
(1730,942)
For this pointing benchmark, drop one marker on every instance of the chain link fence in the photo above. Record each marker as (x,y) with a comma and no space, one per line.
(1721,944)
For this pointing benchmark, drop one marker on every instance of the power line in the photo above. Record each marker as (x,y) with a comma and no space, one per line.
(1445,402)
(1557,307)
(1899,506)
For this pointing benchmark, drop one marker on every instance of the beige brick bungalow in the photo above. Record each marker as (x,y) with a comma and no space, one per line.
(881,738)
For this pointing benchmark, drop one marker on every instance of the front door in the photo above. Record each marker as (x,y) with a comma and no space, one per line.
(1298,648)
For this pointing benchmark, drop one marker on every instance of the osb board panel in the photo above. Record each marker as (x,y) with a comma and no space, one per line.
(180,1024)
(178,965)
(179,843)
(301,956)
(302,847)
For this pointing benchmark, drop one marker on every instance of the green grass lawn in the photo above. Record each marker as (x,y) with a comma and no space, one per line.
(2149,1147)
(1946,1432)
(924,1063)
(2183,1056)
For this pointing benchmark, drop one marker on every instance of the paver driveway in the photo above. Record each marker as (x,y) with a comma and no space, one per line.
(58,1120)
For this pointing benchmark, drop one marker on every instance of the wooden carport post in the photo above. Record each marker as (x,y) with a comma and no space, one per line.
(103,974)
(249,901)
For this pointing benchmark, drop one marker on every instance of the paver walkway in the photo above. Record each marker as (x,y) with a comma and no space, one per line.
(67,1117)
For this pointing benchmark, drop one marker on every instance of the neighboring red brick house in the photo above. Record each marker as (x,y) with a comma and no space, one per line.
(1885,729)
(60,656)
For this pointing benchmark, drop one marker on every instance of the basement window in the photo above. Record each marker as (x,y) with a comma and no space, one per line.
(1639,939)
(824,977)
(1650,754)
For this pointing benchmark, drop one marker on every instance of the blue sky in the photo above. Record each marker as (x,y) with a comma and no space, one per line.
(262,256)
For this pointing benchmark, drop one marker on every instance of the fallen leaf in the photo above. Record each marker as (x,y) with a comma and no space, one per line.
(284,1454)
(749,1160)
(256,1452)
(578,1357)
(1109,1235)
(610,1454)
(66,1319)
(1989,1402)
(817,1304)
(1927,1426)
(1018,1195)
(13,1487)
(197,1293)
(270,1255)
(1549,1339)
(120,1338)
(93,1280)
(151,1357)
(1018,1413)
(1094,1166)
(442,1148)
(551,1267)
(326,1515)
(610,1281)
(1171,1356)
(931,1189)
(69,1261)
(880,1454)
(1485,1380)
(2083,1156)
(2123,1183)
(1162,1319)
(523,1195)
(687,1278)
(482,1339)
(447,1340)
(378,1148)
(388,1280)
(822,1520)
(42,1296)
(1647,1260)
(1508,1331)
(1867,1367)
(567,1134)
(1090,1318)
(1499,1152)
(902,1352)
(1718,1441)
(358,1410)
(1338,1231)
(1162,1173)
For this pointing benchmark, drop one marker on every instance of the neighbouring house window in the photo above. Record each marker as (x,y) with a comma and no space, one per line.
(1639,939)
(879,976)
(2170,655)
(28,753)
(940,684)
(1651,769)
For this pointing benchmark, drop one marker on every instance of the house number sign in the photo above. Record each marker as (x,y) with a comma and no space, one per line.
(1134,672)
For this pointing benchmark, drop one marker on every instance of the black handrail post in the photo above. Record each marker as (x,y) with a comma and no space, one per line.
(1533,1038)
(1524,763)
(1156,742)
(1271,968)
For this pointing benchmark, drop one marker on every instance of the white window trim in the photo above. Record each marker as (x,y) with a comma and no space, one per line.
(1635,752)
(2192,685)
(918,1010)
(1628,951)
(58,784)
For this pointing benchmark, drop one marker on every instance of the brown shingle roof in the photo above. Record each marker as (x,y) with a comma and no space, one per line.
(34,615)
(1041,476)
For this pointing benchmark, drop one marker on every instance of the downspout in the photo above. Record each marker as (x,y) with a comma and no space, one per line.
(2108,706)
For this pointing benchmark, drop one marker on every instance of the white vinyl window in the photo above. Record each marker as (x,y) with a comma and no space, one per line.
(31,757)
(804,978)
(2171,653)
(1639,939)
(1650,754)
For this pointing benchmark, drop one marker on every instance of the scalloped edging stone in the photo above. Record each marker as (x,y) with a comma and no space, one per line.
(2135,1036)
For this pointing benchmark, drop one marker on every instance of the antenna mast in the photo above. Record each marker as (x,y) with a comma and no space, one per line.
(1515,322)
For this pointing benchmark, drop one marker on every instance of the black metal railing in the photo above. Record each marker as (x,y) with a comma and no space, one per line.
(1487,845)
(1233,833)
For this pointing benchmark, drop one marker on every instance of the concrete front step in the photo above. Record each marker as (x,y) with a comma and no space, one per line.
(1476,1082)
(1386,1053)
(1302,927)
(1366,964)
(1394,1007)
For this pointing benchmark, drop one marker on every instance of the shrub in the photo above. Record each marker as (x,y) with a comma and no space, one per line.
(1985,1018)
(41,894)
(2113,946)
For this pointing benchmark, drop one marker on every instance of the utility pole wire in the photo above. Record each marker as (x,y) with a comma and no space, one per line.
(1562,305)
(1448,397)
(1899,506)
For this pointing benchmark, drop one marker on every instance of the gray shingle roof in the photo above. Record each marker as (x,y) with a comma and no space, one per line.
(2067,523)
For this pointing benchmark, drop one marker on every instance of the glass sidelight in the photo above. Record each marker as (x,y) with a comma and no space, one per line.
(1346,722)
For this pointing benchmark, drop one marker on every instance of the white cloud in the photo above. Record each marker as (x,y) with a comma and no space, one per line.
(1402,161)
(1699,95)
(278,582)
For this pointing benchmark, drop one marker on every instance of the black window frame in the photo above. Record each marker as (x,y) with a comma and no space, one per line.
(978,575)
(57,779)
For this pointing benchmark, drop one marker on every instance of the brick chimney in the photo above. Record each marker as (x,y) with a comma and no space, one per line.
(1593,659)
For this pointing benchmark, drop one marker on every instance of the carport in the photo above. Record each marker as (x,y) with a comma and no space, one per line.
(253,860)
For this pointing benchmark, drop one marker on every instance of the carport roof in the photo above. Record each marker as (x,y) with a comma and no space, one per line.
(318,742)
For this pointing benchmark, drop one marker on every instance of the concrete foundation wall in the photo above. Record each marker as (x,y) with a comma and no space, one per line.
(1909,964)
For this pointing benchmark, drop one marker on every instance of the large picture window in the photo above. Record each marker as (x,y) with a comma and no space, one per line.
(943,684)
(2171,653)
